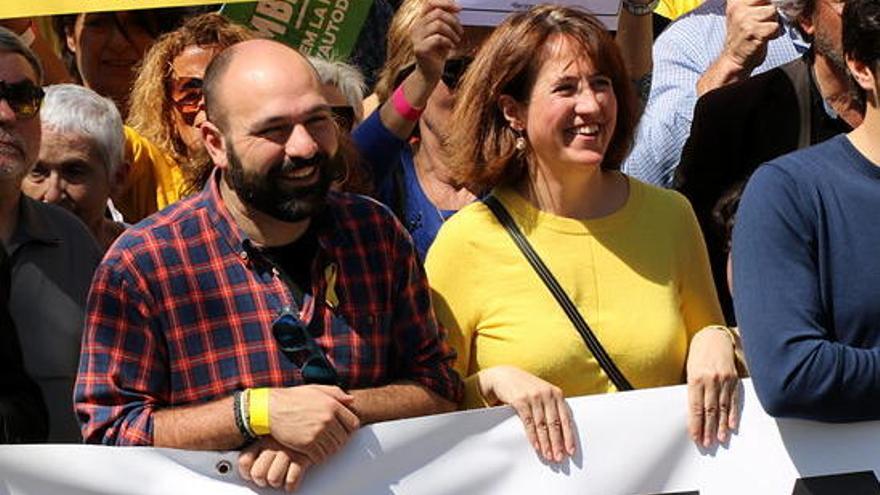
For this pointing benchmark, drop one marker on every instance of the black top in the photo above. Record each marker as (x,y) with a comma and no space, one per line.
(295,261)
(23,416)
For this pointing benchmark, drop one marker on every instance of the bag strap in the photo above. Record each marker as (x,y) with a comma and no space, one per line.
(559,294)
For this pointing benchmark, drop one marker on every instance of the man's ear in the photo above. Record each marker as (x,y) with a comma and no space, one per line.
(863,75)
(215,143)
(806,23)
(513,112)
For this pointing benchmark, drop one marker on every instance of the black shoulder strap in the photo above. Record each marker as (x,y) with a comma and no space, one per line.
(559,294)
(796,71)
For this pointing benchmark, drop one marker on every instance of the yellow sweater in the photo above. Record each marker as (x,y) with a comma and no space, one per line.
(639,276)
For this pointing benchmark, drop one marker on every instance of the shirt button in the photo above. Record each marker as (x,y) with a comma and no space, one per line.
(243,255)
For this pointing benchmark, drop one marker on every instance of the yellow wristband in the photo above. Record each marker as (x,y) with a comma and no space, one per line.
(258,410)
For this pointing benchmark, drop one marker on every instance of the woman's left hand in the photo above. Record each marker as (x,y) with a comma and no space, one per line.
(713,386)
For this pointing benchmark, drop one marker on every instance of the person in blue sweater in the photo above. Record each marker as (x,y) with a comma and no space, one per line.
(428,50)
(806,270)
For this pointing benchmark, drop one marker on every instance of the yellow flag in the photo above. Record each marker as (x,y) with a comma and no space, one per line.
(32,8)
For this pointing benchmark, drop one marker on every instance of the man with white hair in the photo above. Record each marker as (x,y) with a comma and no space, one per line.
(740,126)
(52,254)
(82,148)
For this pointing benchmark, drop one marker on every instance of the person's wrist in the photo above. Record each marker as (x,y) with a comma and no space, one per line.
(640,7)
(721,329)
(258,411)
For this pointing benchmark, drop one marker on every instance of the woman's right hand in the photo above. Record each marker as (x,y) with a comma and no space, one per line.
(435,34)
(540,405)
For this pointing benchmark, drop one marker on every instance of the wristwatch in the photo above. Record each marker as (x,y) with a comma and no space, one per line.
(640,8)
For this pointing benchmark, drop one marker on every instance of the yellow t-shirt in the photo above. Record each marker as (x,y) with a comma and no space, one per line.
(639,276)
(150,181)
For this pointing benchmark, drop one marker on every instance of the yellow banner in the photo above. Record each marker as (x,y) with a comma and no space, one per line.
(32,8)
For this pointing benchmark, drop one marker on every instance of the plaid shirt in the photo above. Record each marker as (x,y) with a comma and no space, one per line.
(181,311)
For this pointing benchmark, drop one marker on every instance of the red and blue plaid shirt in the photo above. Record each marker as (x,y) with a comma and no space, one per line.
(181,311)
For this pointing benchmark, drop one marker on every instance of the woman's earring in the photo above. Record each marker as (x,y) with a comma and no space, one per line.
(520,143)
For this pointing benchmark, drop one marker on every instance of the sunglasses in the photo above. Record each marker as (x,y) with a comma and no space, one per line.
(452,72)
(295,340)
(186,95)
(344,116)
(24,98)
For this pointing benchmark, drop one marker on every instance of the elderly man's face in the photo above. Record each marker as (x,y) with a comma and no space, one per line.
(19,135)
(71,173)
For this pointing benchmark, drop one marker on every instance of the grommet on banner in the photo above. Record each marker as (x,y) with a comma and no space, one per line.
(223,466)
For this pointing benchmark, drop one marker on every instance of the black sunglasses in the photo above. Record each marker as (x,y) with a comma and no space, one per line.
(24,98)
(294,340)
(344,116)
(452,72)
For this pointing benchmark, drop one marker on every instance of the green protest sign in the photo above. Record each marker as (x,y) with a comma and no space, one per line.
(323,28)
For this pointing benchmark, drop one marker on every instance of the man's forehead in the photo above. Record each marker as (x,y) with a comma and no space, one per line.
(15,68)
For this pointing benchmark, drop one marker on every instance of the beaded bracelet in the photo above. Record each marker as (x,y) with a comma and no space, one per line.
(240,420)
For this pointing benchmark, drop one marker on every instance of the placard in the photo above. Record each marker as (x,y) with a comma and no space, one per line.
(492,12)
(325,28)
(631,443)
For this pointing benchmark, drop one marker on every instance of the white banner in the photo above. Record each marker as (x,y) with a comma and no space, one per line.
(492,12)
(630,443)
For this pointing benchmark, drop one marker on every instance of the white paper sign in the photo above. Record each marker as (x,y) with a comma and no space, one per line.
(492,12)
(632,443)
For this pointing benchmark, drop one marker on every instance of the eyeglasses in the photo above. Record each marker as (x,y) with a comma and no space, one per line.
(294,339)
(186,94)
(344,116)
(452,72)
(24,98)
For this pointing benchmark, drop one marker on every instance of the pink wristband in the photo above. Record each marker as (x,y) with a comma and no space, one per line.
(403,106)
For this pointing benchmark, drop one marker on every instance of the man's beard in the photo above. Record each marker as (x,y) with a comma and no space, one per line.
(824,45)
(268,194)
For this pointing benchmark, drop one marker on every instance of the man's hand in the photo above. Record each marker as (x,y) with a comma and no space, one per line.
(313,420)
(267,462)
(751,24)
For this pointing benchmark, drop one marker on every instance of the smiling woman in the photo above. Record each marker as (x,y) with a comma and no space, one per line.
(544,117)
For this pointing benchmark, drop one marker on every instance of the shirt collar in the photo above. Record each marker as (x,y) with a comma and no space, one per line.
(32,226)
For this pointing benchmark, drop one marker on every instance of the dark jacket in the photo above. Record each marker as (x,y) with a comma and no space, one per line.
(735,129)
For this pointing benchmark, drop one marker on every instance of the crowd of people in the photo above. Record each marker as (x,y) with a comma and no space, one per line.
(211,241)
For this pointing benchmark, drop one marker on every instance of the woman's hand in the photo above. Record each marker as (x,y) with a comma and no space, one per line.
(713,385)
(267,462)
(435,34)
(539,404)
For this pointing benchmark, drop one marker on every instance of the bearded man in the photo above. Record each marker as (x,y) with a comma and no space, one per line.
(740,126)
(265,310)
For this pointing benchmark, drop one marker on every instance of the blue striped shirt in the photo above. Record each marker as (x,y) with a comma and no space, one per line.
(682,54)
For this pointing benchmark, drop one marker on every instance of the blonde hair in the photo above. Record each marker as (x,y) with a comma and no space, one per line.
(150,112)
(399,49)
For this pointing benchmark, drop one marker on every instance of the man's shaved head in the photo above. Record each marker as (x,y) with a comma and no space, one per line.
(236,60)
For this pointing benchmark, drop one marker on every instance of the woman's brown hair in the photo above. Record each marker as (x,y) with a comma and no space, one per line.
(483,145)
(150,112)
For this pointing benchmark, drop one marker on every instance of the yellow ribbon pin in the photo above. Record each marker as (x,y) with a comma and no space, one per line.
(330,277)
